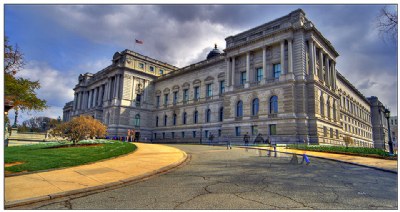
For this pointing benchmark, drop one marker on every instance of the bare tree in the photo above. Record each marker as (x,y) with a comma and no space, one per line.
(387,24)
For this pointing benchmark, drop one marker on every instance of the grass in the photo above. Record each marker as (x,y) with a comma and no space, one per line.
(40,157)
(362,151)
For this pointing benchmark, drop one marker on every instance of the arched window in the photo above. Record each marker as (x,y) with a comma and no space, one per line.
(239,109)
(174,119)
(273,104)
(165,120)
(221,114)
(184,118)
(321,106)
(195,116)
(254,107)
(137,120)
(208,115)
(157,121)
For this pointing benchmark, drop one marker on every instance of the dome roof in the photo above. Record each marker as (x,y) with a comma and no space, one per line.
(214,52)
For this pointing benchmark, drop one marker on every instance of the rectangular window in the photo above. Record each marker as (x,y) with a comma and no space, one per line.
(194,134)
(337,134)
(155,136)
(196,93)
(141,65)
(237,130)
(163,135)
(183,134)
(272,129)
(152,68)
(175,97)
(254,130)
(259,74)
(138,99)
(185,95)
(173,134)
(219,133)
(161,72)
(222,87)
(206,133)
(325,132)
(277,70)
(158,101)
(209,90)
(242,78)
(331,133)
(165,99)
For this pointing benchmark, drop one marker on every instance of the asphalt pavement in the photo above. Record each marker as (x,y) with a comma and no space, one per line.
(216,178)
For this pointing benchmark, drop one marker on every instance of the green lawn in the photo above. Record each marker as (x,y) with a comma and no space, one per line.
(40,157)
(362,151)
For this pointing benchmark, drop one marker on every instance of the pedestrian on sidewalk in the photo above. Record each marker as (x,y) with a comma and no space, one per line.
(246,138)
(259,139)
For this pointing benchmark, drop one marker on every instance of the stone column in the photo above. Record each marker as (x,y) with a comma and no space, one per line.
(312,56)
(283,57)
(327,71)
(233,71)
(78,101)
(87,99)
(228,70)
(315,60)
(74,105)
(99,95)
(290,56)
(321,60)
(247,68)
(264,64)
(90,98)
(96,97)
(81,100)
(107,91)
(334,74)
(116,87)
(110,88)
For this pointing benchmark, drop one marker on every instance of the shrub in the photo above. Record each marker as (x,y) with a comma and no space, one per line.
(80,128)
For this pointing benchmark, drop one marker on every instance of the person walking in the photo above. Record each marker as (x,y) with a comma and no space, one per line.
(246,138)
(259,139)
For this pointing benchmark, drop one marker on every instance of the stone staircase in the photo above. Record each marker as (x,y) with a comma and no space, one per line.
(26,136)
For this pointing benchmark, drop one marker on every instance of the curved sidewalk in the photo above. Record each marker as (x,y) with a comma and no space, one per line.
(381,164)
(147,160)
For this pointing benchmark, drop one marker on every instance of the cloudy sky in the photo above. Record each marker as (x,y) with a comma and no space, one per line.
(62,41)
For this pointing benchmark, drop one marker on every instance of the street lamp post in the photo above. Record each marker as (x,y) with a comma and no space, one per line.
(390,143)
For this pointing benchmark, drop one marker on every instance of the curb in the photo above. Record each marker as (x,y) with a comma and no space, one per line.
(358,164)
(28,201)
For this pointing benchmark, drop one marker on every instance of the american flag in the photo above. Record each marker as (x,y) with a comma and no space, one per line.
(138,41)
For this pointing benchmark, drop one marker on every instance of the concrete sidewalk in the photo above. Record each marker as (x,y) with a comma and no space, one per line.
(147,160)
(382,164)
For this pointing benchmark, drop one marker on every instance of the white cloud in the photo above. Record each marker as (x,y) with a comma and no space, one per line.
(56,86)
(165,38)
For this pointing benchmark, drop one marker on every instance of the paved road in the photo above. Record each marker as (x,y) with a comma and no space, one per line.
(216,178)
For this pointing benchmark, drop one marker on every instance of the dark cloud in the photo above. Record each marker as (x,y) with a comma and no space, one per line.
(184,34)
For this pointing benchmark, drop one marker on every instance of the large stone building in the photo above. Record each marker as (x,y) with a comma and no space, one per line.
(278,79)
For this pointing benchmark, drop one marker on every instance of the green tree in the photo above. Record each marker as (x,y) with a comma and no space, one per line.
(79,128)
(22,92)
